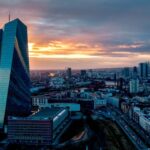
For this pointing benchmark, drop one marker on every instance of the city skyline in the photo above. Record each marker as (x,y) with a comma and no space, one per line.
(83,34)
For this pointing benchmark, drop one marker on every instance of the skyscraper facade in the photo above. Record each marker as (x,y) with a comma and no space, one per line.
(83,73)
(14,71)
(69,73)
(126,72)
(143,70)
(134,72)
(134,86)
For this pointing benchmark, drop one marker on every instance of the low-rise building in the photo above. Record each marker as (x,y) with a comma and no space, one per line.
(57,82)
(44,102)
(41,128)
(99,102)
(144,122)
(125,107)
(142,117)
(114,101)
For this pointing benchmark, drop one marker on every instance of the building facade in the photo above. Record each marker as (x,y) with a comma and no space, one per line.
(126,72)
(14,71)
(134,86)
(43,102)
(143,70)
(69,73)
(41,128)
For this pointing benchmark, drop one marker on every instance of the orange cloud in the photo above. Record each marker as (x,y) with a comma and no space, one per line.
(59,49)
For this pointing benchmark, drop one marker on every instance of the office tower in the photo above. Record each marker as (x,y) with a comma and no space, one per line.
(134,86)
(143,70)
(126,72)
(115,78)
(148,69)
(134,72)
(83,73)
(14,71)
(69,73)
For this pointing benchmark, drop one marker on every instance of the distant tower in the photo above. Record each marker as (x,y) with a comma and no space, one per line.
(69,73)
(143,70)
(126,72)
(134,85)
(134,72)
(9,17)
(120,83)
(83,73)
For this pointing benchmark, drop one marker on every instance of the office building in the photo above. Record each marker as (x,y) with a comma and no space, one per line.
(83,73)
(41,128)
(126,72)
(148,68)
(69,73)
(14,71)
(142,117)
(143,70)
(134,86)
(44,102)
(134,72)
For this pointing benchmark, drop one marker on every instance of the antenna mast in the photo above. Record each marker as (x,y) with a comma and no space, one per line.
(9,17)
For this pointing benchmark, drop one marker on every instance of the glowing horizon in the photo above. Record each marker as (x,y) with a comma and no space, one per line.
(63,34)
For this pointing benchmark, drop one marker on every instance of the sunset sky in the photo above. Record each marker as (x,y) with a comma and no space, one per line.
(83,33)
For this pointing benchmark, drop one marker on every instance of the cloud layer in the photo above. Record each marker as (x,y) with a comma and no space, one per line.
(83,33)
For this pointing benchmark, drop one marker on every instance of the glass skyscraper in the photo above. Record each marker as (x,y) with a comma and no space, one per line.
(14,71)
(144,70)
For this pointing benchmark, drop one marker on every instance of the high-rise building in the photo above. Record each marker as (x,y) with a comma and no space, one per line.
(143,70)
(126,72)
(69,73)
(134,85)
(83,73)
(134,72)
(14,71)
(148,69)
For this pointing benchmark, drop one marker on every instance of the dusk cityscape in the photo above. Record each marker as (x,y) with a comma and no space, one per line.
(74,75)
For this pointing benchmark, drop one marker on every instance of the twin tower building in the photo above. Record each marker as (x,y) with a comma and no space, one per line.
(15,99)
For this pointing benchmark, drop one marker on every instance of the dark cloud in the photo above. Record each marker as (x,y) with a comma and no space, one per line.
(115,25)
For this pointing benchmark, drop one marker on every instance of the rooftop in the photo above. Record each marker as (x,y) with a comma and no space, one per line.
(42,114)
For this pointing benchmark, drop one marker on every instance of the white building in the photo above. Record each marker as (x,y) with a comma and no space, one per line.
(142,118)
(144,122)
(57,82)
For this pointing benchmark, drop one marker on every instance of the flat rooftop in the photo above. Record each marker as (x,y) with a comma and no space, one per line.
(42,114)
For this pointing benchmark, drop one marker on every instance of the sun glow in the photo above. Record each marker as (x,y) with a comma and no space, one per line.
(58,49)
